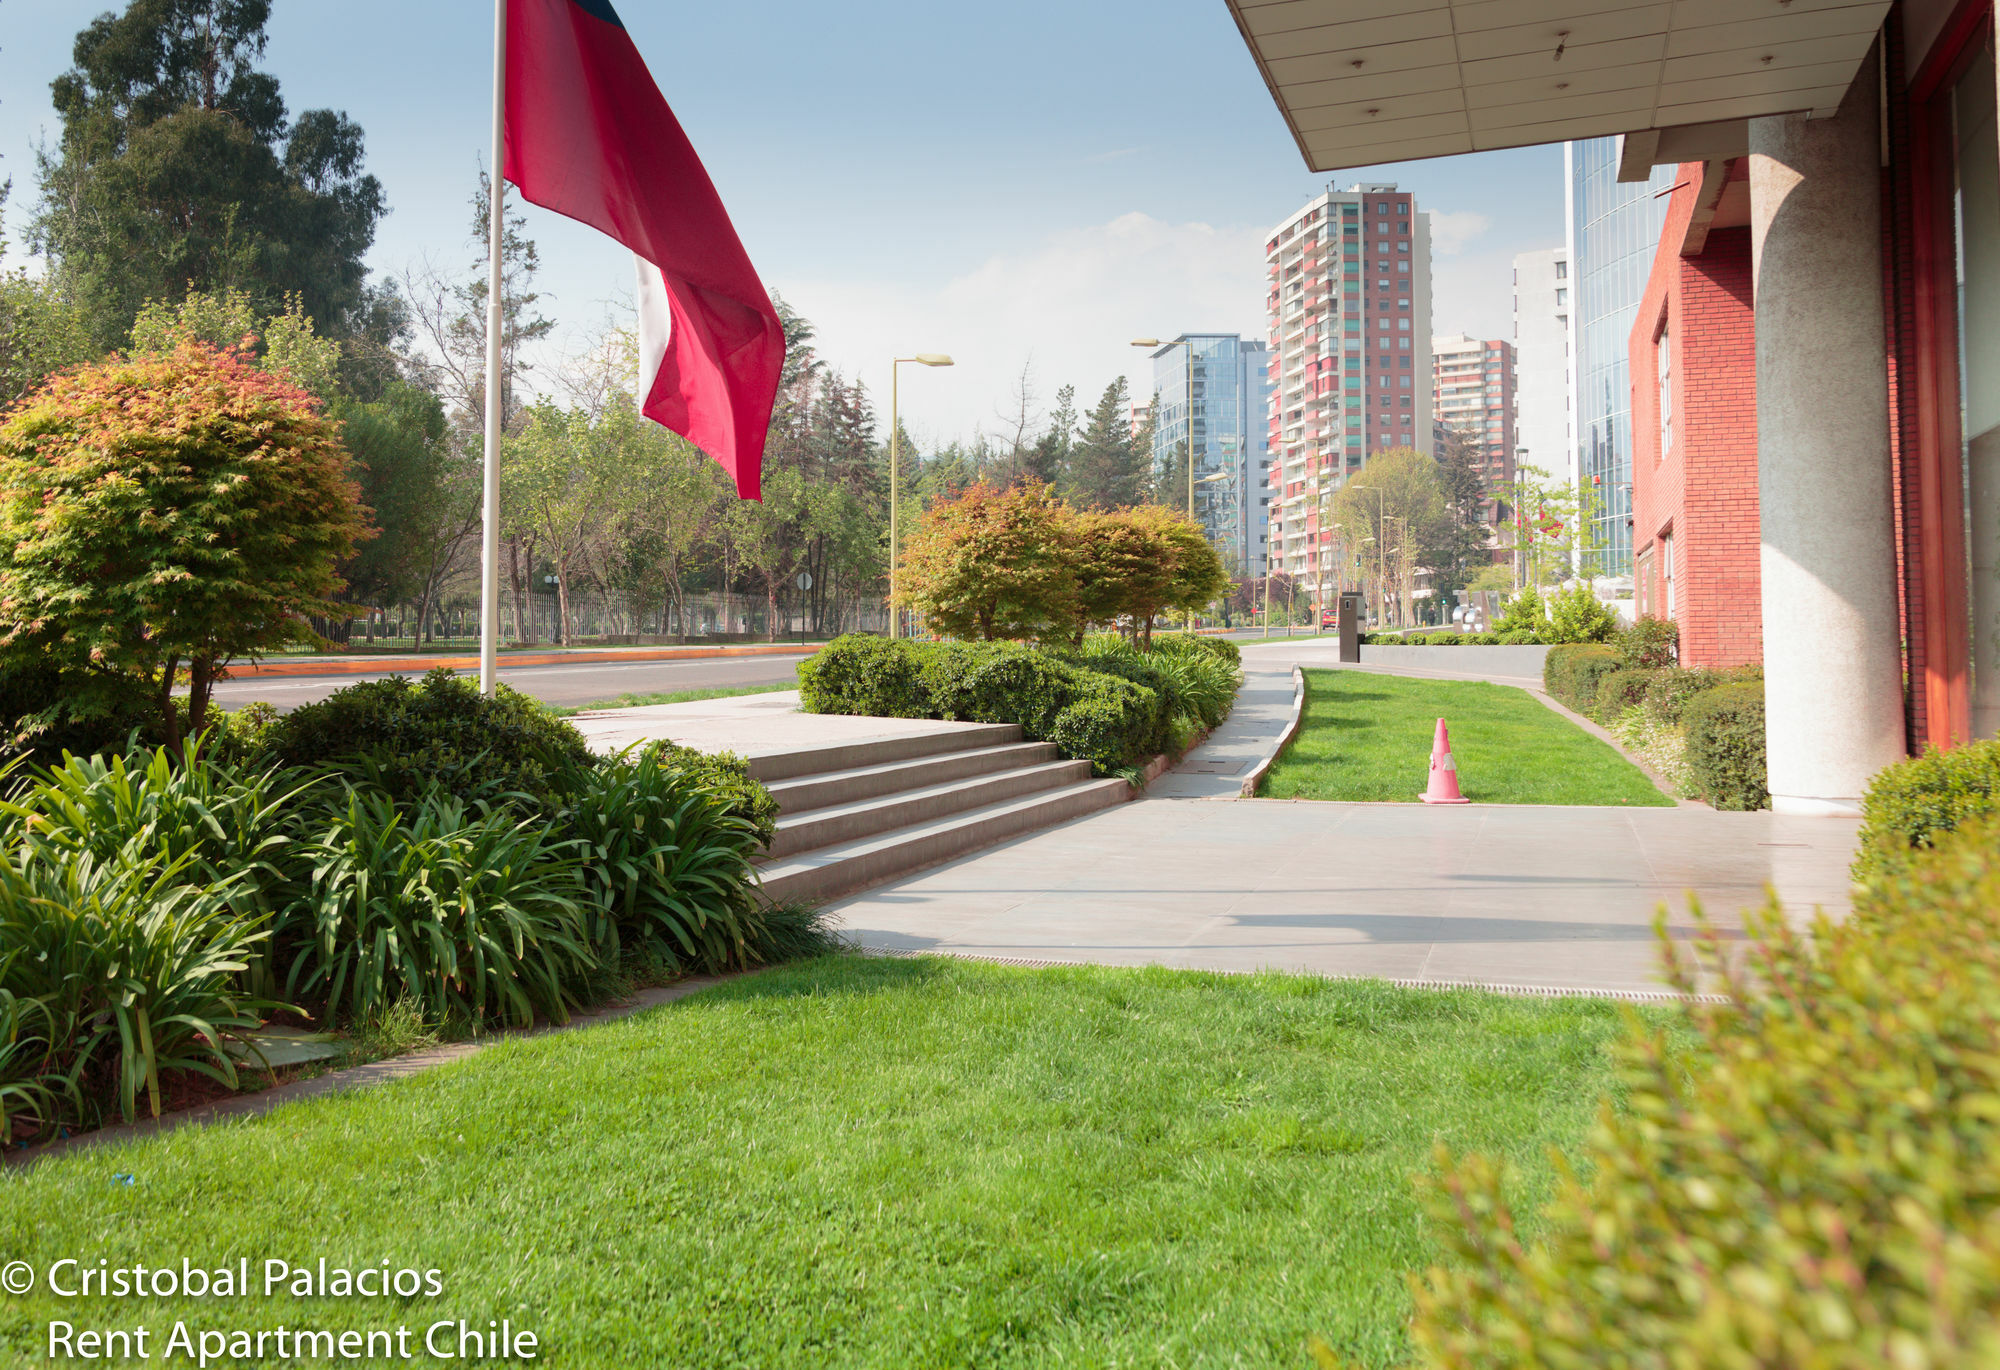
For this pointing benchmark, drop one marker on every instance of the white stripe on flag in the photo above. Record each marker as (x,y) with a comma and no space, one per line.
(655,326)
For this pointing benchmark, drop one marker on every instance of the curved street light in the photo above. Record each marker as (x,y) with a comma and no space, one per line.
(895,468)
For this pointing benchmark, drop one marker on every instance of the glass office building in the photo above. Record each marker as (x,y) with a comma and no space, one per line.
(1231,394)
(1613,231)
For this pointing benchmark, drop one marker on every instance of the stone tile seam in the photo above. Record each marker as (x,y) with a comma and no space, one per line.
(1640,996)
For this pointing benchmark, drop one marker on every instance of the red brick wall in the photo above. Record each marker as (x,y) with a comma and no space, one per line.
(1702,493)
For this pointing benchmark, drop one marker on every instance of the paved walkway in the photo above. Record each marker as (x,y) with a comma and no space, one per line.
(1543,896)
(748,725)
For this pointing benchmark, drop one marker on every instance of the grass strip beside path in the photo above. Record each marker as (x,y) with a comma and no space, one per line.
(855,1162)
(640,701)
(1367,737)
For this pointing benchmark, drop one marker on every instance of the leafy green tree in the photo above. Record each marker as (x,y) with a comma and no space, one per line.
(177,168)
(1107,468)
(422,489)
(169,512)
(993,564)
(1048,460)
(284,342)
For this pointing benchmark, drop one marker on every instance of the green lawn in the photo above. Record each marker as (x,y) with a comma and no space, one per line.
(869,1163)
(1368,737)
(634,701)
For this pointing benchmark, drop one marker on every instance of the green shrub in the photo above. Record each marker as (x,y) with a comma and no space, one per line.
(1674,687)
(1522,614)
(666,862)
(1571,671)
(1444,638)
(1221,648)
(135,967)
(1914,803)
(407,737)
(1111,725)
(727,777)
(861,674)
(1518,637)
(1650,643)
(1725,745)
(30,1085)
(1483,639)
(1171,690)
(1618,691)
(1577,615)
(473,916)
(1807,1175)
(230,825)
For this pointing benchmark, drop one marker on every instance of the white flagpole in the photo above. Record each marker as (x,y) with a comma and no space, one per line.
(496,219)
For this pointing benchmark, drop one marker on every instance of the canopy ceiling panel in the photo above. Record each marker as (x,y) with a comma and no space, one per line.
(1368,81)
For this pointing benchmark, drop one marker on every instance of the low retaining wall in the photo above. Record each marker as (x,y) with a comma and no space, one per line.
(1515,661)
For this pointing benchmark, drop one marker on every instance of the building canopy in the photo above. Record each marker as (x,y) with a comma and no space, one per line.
(1362,82)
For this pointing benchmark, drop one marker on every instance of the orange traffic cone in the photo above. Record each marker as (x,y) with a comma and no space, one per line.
(1444,772)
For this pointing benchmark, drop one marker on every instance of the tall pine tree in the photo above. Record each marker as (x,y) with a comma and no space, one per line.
(1108,469)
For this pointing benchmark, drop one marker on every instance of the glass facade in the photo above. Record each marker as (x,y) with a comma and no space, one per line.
(1231,396)
(1614,231)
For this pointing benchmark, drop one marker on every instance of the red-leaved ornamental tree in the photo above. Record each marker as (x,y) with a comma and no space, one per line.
(169,513)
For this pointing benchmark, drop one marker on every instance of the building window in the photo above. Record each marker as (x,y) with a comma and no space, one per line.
(1667,570)
(1562,271)
(1404,344)
(1562,298)
(1666,354)
(1403,267)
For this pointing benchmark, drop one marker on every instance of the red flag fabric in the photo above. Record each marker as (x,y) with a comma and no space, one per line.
(589,135)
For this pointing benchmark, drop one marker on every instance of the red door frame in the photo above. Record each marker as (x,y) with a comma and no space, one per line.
(1946,681)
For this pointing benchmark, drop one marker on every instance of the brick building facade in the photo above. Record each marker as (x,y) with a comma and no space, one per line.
(1694,426)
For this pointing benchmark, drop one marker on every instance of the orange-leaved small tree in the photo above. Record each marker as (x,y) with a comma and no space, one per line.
(168,511)
(1135,564)
(993,564)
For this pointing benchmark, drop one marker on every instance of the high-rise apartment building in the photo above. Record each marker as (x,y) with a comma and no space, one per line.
(1614,227)
(1350,311)
(1545,427)
(1473,380)
(1230,390)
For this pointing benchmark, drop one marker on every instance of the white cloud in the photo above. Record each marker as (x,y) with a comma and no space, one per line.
(1069,305)
(1452,230)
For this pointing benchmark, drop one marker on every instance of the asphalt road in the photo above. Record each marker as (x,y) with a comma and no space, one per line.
(571,683)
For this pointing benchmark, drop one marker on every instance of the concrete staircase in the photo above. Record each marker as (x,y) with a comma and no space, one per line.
(859,813)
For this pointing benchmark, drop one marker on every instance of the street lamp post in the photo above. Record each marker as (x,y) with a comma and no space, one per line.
(895,470)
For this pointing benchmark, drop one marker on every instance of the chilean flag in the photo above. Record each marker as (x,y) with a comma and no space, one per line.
(589,135)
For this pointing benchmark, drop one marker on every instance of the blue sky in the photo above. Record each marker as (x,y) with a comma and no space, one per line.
(1034,183)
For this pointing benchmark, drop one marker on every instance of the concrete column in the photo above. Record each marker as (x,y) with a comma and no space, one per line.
(1832,656)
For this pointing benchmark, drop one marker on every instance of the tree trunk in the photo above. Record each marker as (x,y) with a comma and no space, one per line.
(170,719)
(201,688)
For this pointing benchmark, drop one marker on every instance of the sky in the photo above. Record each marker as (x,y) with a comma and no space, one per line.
(1023,185)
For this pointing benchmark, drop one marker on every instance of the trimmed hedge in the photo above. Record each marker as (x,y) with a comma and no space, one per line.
(1103,708)
(1675,687)
(405,737)
(1619,690)
(1571,672)
(1807,1175)
(1911,805)
(1725,745)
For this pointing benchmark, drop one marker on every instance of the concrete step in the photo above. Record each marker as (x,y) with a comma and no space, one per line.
(846,756)
(838,823)
(893,777)
(819,875)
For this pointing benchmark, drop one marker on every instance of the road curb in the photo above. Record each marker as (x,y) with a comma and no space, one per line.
(418,665)
(1262,768)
